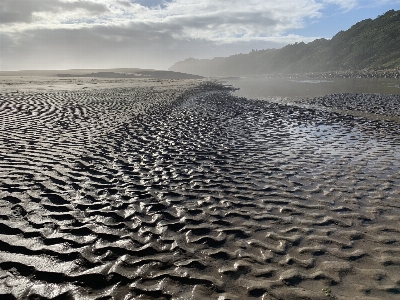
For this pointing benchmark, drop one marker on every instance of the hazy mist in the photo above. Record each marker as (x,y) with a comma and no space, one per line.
(65,34)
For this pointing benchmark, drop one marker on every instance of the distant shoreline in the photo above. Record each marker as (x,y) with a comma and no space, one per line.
(104,73)
(365,73)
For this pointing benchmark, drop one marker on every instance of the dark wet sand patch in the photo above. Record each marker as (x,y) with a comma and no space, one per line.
(190,193)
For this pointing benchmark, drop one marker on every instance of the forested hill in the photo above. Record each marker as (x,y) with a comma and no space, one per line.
(367,44)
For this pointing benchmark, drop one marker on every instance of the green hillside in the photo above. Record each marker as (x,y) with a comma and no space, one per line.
(368,44)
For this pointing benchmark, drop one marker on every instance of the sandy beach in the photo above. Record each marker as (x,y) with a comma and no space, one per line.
(146,188)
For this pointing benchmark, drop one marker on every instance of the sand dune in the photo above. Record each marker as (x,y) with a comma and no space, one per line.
(178,190)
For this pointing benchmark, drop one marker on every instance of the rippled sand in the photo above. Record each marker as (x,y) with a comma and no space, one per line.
(186,192)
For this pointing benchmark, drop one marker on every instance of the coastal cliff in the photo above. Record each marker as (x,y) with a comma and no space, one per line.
(369,44)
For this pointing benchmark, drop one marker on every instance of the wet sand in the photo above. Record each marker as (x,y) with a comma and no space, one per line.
(179,190)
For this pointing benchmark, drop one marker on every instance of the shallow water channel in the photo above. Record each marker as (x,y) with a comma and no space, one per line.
(262,88)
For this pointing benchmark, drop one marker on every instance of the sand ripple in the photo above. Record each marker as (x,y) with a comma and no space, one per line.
(194,194)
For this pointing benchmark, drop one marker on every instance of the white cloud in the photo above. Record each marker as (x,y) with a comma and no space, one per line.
(214,20)
(22,11)
(346,5)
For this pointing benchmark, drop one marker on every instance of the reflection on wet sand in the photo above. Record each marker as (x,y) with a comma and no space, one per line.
(192,193)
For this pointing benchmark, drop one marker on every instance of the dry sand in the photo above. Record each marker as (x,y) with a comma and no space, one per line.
(145,189)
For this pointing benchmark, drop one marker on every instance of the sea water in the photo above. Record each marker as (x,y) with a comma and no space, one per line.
(264,88)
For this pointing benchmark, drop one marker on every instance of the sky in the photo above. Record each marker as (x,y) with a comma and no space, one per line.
(154,34)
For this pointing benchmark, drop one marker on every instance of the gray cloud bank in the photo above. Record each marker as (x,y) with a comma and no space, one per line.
(22,11)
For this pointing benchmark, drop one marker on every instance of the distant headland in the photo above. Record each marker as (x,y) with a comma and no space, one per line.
(369,48)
